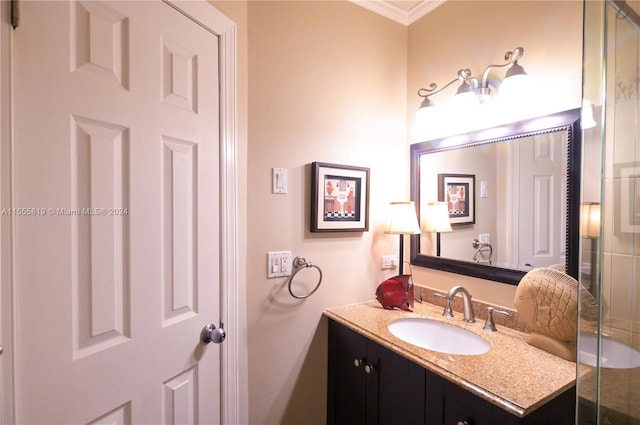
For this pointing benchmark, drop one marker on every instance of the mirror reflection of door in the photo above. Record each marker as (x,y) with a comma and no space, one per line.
(538,194)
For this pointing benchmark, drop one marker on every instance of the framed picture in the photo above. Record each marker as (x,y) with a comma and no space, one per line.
(459,192)
(627,196)
(339,198)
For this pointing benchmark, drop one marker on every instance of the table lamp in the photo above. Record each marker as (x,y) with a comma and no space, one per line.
(404,221)
(436,220)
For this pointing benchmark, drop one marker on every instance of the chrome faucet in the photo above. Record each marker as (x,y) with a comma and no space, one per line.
(466,299)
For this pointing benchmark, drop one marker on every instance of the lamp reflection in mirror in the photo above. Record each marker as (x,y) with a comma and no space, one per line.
(590,220)
(404,221)
(436,220)
(590,229)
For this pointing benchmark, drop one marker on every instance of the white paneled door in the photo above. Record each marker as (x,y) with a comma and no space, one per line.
(117,236)
(542,197)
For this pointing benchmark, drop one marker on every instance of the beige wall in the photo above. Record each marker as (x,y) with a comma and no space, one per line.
(332,82)
(326,83)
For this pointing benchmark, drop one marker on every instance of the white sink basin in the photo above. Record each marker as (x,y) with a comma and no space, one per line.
(613,354)
(438,336)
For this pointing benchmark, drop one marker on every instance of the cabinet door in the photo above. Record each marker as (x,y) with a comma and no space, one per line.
(460,406)
(559,411)
(346,391)
(433,399)
(385,389)
(400,388)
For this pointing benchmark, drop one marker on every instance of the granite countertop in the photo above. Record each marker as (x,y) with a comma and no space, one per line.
(512,375)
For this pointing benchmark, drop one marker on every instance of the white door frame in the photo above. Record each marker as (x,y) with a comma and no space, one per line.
(6,237)
(205,14)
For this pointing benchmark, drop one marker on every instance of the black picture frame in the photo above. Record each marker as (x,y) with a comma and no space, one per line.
(339,198)
(459,192)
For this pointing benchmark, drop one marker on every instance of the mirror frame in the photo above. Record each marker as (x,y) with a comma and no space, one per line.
(567,120)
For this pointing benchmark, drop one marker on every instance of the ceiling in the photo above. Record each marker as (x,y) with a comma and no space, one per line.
(402,11)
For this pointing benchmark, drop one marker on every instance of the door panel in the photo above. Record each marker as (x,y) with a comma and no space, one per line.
(117,266)
(541,197)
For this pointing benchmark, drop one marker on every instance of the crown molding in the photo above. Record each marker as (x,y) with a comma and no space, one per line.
(396,13)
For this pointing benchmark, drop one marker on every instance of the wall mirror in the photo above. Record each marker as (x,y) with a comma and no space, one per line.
(514,188)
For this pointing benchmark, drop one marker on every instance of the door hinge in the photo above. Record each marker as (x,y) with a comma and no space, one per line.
(15,14)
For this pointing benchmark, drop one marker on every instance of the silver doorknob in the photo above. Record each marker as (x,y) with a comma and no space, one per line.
(212,334)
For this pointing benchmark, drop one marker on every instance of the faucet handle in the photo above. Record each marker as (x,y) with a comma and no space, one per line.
(490,325)
(447,306)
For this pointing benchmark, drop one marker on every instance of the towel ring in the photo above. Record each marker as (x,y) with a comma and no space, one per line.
(300,263)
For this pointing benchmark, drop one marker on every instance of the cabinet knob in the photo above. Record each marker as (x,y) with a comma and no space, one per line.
(357,362)
(368,369)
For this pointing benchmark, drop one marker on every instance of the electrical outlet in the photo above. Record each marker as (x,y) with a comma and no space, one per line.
(278,264)
(484,238)
(389,261)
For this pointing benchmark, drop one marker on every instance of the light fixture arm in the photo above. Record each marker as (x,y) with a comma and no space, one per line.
(464,75)
(471,84)
(510,57)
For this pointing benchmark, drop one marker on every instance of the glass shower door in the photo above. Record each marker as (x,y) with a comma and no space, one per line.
(608,368)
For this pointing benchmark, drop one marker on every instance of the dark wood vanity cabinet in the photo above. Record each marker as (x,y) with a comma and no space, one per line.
(370,385)
(460,405)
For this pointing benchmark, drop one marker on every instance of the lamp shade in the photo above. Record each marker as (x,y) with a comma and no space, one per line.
(515,87)
(404,220)
(427,115)
(436,218)
(590,220)
(516,69)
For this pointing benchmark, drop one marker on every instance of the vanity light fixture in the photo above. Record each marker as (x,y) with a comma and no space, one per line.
(404,221)
(473,91)
(436,220)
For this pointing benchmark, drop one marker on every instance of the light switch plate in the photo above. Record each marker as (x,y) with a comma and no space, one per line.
(484,189)
(278,264)
(279,178)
